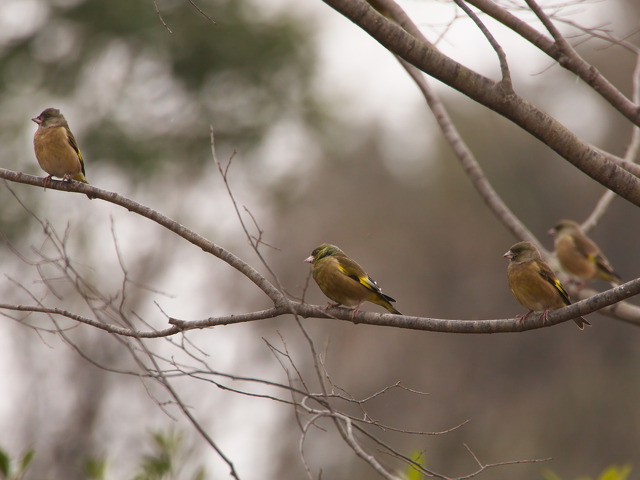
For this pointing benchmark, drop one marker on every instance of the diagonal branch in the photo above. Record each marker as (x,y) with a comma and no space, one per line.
(488,93)
(502,57)
(630,155)
(468,161)
(608,300)
(561,43)
(569,60)
(155,216)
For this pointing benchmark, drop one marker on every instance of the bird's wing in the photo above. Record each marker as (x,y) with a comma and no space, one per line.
(74,145)
(547,274)
(586,247)
(592,253)
(351,269)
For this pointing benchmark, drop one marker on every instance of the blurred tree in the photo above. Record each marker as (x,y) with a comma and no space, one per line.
(122,78)
(140,90)
(409,214)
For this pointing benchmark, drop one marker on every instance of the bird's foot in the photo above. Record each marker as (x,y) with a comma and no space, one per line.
(330,305)
(46,181)
(522,318)
(545,317)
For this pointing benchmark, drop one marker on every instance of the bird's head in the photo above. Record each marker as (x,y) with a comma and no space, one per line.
(564,227)
(51,117)
(324,250)
(522,252)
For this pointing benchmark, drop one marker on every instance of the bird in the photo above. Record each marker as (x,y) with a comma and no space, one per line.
(579,256)
(533,283)
(56,148)
(344,281)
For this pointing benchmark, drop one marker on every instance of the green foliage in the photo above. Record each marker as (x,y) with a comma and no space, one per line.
(612,472)
(168,460)
(412,472)
(4,464)
(7,472)
(95,468)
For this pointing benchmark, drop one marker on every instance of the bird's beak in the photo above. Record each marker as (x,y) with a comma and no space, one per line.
(309,260)
(551,232)
(508,255)
(37,120)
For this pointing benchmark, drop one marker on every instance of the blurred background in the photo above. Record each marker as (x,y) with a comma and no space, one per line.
(331,142)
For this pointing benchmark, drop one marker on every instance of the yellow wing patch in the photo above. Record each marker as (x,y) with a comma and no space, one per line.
(364,281)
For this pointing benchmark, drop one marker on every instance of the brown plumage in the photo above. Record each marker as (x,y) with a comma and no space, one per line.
(56,148)
(344,281)
(579,256)
(533,283)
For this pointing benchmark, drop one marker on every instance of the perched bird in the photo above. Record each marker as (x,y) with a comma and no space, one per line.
(56,148)
(579,256)
(534,284)
(344,281)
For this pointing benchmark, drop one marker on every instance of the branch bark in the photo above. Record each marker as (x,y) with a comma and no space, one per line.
(491,94)
(566,57)
(144,211)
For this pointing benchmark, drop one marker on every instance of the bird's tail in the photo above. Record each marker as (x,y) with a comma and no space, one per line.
(581,322)
(385,301)
(81,178)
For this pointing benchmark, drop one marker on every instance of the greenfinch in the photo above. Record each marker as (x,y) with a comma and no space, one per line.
(56,148)
(344,281)
(533,283)
(579,256)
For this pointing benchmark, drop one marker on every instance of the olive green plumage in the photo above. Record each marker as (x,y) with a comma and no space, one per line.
(579,256)
(56,148)
(533,283)
(344,281)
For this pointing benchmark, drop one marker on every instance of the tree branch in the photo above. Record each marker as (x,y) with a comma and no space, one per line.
(630,155)
(490,94)
(569,60)
(171,225)
(502,57)
(589,305)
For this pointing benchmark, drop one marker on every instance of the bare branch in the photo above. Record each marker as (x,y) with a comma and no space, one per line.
(155,6)
(345,428)
(583,307)
(201,12)
(561,43)
(468,161)
(574,63)
(171,225)
(488,93)
(631,154)
(482,466)
(199,428)
(502,57)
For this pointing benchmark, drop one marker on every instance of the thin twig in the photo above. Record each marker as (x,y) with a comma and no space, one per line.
(505,82)
(155,5)
(630,155)
(201,12)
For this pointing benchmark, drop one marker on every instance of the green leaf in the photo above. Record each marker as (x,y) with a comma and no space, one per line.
(95,468)
(412,472)
(5,463)
(549,475)
(26,460)
(614,472)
